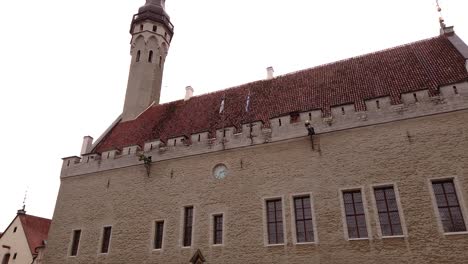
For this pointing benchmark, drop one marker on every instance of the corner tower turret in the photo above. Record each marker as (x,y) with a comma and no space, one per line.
(152,33)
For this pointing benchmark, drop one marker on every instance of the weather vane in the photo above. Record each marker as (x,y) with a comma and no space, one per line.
(24,200)
(441,19)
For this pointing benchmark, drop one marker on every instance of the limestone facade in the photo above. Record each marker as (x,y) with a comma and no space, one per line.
(406,153)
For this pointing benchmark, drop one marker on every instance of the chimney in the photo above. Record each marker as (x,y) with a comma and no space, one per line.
(188,93)
(87,145)
(447,31)
(270,73)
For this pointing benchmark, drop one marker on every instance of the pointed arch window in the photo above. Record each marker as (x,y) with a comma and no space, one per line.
(150,56)
(138,56)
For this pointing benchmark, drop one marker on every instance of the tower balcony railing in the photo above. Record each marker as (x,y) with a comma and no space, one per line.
(149,15)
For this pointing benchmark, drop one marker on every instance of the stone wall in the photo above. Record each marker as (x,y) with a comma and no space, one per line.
(407,153)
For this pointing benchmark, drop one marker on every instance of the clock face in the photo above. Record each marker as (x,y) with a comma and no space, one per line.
(220,171)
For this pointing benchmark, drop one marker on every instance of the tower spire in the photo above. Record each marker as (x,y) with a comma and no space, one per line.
(152,32)
(441,19)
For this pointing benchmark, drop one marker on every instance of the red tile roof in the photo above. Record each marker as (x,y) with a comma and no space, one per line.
(425,64)
(36,230)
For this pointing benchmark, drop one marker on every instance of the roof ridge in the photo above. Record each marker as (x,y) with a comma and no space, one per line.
(307,69)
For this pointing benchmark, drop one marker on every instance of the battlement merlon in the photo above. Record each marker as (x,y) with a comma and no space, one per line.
(453,97)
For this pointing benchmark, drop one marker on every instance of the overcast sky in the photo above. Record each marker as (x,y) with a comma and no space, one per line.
(64,65)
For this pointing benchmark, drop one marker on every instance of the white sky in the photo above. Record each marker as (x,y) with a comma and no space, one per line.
(64,65)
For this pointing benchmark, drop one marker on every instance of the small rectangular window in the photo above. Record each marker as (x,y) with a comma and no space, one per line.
(275,221)
(106,236)
(218,229)
(188,226)
(303,218)
(448,206)
(75,242)
(158,236)
(355,215)
(387,208)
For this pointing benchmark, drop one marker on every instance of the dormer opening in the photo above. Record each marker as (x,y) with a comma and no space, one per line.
(294,117)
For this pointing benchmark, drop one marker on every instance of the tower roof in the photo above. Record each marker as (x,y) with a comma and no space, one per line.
(154,10)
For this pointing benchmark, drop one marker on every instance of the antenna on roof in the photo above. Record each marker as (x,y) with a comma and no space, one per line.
(441,19)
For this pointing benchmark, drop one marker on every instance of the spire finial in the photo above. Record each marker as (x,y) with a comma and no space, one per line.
(22,211)
(441,19)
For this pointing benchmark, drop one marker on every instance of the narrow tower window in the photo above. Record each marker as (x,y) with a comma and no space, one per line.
(158,236)
(141,27)
(106,235)
(138,56)
(218,229)
(155,28)
(160,61)
(150,57)
(75,242)
(188,224)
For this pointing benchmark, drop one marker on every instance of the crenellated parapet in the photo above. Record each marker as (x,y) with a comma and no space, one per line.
(379,110)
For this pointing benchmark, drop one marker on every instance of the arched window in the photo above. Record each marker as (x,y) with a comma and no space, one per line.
(6,259)
(150,57)
(138,56)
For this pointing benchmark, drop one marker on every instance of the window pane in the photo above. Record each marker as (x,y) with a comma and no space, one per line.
(275,221)
(355,215)
(389,216)
(218,229)
(449,207)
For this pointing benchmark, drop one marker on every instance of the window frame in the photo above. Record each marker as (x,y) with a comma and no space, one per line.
(182,224)
(293,218)
(211,233)
(101,241)
(153,237)
(401,214)
(265,221)
(461,202)
(70,249)
(366,213)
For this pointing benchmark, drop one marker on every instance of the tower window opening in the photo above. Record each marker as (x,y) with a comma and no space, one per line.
(165,35)
(141,27)
(377,103)
(160,61)
(455,89)
(155,28)
(138,56)
(150,57)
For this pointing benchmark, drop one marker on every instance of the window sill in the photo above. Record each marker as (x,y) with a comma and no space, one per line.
(358,239)
(187,247)
(217,245)
(305,243)
(390,237)
(456,233)
(275,245)
(156,250)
